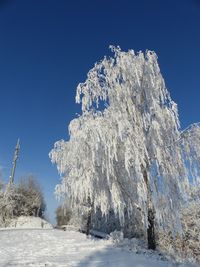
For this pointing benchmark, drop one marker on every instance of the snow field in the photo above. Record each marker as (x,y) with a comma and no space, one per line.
(56,248)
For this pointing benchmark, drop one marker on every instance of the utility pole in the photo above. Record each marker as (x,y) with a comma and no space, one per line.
(15,158)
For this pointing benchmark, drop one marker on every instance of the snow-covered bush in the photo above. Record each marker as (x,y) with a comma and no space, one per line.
(117,237)
(187,245)
(191,231)
(126,152)
(26,199)
(7,204)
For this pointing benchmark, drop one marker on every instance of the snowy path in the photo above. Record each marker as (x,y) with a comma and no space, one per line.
(58,248)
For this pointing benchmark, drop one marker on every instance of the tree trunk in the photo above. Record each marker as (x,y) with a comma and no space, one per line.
(89,216)
(150,214)
(151,230)
(89,220)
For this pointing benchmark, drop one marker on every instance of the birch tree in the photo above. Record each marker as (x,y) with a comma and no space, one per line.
(126,150)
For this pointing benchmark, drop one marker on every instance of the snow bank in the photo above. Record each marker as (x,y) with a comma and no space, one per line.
(29,222)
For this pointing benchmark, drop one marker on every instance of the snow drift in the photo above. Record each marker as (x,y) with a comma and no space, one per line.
(29,223)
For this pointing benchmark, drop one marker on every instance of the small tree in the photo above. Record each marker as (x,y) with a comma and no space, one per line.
(63,215)
(26,199)
(30,200)
(8,201)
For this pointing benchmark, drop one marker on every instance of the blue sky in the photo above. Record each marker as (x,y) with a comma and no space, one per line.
(47,48)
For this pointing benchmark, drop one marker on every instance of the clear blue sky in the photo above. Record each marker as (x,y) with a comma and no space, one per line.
(47,48)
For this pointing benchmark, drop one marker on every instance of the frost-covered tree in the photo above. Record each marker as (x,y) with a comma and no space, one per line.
(30,200)
(185,246)
(126,152)
(63,215)
(25,199)
(7,204)
(190,147)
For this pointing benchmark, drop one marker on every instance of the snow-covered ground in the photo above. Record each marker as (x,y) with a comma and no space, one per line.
(29,222)
(56,248)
